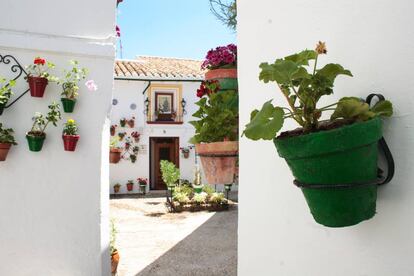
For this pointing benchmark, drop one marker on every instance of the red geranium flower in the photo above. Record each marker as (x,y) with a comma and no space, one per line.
(39,61)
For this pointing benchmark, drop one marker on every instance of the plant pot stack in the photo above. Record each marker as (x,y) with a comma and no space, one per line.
(227,77)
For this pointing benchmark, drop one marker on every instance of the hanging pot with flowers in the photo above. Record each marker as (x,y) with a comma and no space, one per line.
(122,122)
(6,141)
(38,76)
(70,84)
(221,64)
(131,122)
(121,135)
(130,185)
(334,161)
(113,129)
(216,135)
(185,152)
(70,135)
(143,182)
(114,151)
(36,136)
(5,92)
(136,135)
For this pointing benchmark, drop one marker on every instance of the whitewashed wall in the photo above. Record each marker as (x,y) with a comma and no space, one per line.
(54,204)
(277,235)
(130,92)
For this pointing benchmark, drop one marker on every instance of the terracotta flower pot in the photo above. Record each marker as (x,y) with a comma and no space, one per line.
(226,77)
(116,188)
(113,128)
(186,154)
(4,150)
(37,86)
(219,161)
(70,141)
(68,104)
(114,155)
(114,261)
(130,187)
(131,123)
(35,142)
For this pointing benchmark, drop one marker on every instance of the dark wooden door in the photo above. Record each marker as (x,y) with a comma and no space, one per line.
(162,149)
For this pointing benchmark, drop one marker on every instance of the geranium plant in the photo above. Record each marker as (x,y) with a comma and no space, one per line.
(37,135)
(70,135)
(5,92)
(136,135)
(221,57)
(6,141)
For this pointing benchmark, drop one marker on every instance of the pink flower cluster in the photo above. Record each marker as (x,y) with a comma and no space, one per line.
(221,56)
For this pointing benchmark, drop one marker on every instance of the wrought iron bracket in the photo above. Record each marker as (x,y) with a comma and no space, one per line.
(16,68)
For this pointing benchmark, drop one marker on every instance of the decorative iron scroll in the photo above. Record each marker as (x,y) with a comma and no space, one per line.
(17,68)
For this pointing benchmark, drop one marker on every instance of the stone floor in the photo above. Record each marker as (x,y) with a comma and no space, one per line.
(153,242)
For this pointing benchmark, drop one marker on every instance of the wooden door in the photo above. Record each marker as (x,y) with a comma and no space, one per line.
(162,149)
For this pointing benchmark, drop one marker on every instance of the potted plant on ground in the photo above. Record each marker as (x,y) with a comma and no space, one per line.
(117,186)
(143,182)
(323,155)
(130,185)
(131,122)
(70,86)
(70,135)
(38,76)
(122,122)
(36,136)
(114,251)
(216,138)
(170,173)
(221,64)
(114,151)
(6,141)
(5,92)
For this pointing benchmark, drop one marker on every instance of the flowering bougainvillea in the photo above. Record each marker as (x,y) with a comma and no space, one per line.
(208,87)
(221,57)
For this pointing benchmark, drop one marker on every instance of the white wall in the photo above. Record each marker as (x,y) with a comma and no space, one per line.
(54,203)
(130,92)
(277,234)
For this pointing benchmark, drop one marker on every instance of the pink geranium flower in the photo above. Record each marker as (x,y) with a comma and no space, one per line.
(91,85)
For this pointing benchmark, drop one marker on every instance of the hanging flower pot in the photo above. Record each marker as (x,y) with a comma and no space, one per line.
(130,185)
(115,155)
(122,122)
(35,141)
(4,150)
(113,129)
(116,188)
(219,161)
(70,141)
(114,261)
(37,86)
(68,104)
(131,122)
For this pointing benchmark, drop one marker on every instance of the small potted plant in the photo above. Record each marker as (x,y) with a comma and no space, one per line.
(221,64)
(122,122)
(113,129)
(136,135)
(117,186)
(70,135)
(143,182)
(6,141)
(114,151)
(185,152)
(170,173)
(5,92)
(216,135)
(130,185)
(38,76)
(131,122)
(114,251)
(121,135)
(323,155)
(70,86)
(36,136)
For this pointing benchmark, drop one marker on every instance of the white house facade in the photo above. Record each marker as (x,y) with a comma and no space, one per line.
(160,94)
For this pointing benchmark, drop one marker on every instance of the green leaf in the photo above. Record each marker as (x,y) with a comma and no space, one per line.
(265,123)
(383,108)
(351,108)
(331,71)
(282,71)
(303,57)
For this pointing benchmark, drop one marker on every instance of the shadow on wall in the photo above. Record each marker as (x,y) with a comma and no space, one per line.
(210,250)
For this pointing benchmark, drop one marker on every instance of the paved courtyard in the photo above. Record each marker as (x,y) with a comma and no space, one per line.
(153,242)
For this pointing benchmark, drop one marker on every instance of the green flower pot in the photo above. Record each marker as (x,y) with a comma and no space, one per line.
(228,84)
(198,189)
(68,104)
(346,155)
(35,142)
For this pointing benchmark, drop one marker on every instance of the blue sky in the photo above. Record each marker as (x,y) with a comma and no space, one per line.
(170,28)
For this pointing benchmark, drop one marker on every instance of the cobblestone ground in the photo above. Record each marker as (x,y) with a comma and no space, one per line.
(153,242)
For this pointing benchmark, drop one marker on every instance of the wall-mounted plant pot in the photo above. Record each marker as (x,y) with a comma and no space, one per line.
(70,142)
(186,154)
(68,104)
(37,86)
(4,151)
(130,187)
(115,155)
(114,262)
(219,161)
(35,141)
(112,130)
(345,155)
(131,123)
(2,106)
(116,188)
(226,77)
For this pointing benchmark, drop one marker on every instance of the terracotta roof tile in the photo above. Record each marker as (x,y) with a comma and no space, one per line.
(145,67)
